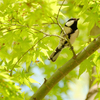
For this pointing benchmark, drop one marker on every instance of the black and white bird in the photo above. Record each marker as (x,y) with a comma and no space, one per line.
(72,32)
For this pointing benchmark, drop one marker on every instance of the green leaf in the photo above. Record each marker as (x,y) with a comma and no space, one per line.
(27,83)
(82,68)
(87,64)
(50,48)
(28,62)
(95,81)
(34,57)
(32,80)
(97,96)
(44,51)
(5,75)
(40,59)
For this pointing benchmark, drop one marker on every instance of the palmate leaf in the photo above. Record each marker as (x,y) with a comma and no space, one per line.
(87,65)
(5,75)
(28,80)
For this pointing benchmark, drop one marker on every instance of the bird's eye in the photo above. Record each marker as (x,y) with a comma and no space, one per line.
(69,23)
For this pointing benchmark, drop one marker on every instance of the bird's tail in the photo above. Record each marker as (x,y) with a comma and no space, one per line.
(55,54)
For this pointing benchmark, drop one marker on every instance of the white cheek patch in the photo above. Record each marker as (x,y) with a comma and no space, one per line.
(69,23)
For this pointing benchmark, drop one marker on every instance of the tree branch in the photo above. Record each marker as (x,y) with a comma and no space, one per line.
(49,34)
(65,69)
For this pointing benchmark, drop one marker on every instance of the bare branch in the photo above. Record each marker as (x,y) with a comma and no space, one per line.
(49,34)
(52,20)
(44,24)
(37,29)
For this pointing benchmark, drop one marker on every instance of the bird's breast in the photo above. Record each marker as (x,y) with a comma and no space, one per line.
(74,36)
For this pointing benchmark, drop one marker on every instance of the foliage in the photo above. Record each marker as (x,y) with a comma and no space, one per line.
(30,31)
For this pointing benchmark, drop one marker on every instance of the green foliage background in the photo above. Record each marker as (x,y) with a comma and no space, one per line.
(23,25)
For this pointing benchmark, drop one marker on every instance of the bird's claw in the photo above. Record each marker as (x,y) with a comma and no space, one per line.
(74,56)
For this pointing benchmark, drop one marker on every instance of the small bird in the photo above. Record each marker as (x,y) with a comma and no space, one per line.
(71,31)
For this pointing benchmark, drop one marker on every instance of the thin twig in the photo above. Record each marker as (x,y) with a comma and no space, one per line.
(60,9)
(52,20)
(49,34)
(26,53)
(43,24)
(38,30)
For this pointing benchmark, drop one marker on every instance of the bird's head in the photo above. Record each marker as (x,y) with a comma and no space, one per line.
(72,22)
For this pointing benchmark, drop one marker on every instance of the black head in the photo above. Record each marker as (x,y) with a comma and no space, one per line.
(72,23)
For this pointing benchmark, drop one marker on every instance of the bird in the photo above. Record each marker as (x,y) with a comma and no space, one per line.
(71,31)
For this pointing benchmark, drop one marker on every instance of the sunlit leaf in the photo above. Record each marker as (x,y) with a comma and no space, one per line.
(27,83)
(40,59)
(32,80)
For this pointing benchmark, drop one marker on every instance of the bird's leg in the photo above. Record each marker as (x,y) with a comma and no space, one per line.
(74,54)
